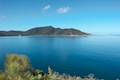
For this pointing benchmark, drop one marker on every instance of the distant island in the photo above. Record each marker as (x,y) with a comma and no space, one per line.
(46,30)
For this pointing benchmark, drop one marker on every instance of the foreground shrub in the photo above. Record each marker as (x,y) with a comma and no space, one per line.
(2,76)
(18,68)
(16,64)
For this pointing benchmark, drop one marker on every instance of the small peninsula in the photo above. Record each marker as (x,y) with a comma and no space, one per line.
(46,30)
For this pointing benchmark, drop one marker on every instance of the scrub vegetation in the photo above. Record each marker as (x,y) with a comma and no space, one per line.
(18,67)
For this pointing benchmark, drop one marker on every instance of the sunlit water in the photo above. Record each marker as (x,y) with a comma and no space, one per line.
(99,55)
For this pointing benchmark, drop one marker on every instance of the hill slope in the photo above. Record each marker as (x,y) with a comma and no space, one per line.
(47,30)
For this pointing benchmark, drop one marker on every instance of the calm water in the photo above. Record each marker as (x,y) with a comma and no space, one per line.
(99,55)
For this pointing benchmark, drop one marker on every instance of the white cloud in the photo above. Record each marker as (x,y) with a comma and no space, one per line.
(3,18)
(63,10)
(47,7)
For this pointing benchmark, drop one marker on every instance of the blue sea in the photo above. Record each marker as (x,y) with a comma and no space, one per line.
(74,55)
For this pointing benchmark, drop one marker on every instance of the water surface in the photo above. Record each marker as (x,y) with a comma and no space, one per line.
(99,55)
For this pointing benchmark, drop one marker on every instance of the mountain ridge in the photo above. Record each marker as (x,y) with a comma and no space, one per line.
(45,30)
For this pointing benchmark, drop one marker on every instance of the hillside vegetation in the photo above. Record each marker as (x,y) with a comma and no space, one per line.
(46,30)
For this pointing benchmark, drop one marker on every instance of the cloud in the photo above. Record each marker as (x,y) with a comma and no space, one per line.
(47,7)
(63,10)
(3,18)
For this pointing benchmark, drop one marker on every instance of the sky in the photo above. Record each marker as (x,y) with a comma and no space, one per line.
(93,16)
